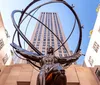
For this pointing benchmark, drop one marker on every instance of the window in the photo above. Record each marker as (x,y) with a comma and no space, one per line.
(43,52)
(39,36)
(64,51)
(58,45)
(44,37)
(37,47)
(48,39)
(44,43)
(38,42)
(99,30)
(60,51)
(34,43)
(97,72)
(44,40)
(61,38)
(39,39)
(60,55)
(43,48)
(91,61)
(53,46)
(45,34)
(1,44)
(60,48)
(34,39)
(49,43)
(63,48)
(35,36)
(53,43)
(58,41)
(5,59)
(65,55)
(52,39)
(95,46)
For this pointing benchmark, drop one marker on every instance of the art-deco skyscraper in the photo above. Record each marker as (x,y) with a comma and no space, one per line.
(42,37)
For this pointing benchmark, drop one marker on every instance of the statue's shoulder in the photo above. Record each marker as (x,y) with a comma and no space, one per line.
(43,56)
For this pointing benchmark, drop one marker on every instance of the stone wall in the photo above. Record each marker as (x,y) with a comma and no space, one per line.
(25,74)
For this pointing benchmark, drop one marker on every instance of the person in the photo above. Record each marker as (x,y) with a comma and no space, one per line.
(49,64)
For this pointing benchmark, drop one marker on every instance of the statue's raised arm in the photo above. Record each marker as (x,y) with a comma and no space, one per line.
(26,54)
(69,59)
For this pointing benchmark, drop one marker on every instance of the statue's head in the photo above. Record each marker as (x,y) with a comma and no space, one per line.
(50,50)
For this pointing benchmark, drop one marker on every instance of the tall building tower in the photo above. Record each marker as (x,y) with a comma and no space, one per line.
(92,57)
(42,37)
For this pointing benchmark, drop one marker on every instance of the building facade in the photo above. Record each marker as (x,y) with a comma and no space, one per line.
(42,37)
(24,74)
(92,57)
(5,54)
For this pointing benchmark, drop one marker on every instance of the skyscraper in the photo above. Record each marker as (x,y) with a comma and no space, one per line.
(42,37)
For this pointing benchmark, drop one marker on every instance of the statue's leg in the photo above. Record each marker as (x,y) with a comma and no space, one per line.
(60,77)
(41,78)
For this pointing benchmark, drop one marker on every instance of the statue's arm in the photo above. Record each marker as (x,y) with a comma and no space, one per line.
(69,59)
(26,54)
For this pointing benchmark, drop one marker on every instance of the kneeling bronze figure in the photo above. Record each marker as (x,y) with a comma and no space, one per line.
(51,71)
(51,66)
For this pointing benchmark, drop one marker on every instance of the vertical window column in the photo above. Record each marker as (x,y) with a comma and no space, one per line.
(61,38)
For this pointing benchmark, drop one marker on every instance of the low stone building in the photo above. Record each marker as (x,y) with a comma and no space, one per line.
(25,74)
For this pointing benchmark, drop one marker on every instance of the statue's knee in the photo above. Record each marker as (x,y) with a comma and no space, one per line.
(41,75)
(62,71)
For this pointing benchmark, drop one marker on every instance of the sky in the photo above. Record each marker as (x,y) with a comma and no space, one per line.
(85,9)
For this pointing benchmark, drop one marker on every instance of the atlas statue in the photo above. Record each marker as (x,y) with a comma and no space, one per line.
(51,66)
(51,71)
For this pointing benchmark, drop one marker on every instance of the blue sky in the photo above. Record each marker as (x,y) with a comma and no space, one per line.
(86,10)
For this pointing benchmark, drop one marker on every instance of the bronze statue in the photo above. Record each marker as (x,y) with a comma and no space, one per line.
(51,71)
